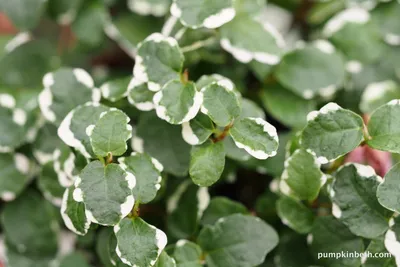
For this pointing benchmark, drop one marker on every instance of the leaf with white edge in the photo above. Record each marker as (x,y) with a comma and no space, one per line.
(64,90)
(165,261)
(386,16)
(220,102)
(298,68)
(139,243)
(207,162)
(140,96)
(377,94)
(106,192)
(329,235)
(14,175)
(36,236)
(227,245)
(115,90)
(384,128)
(112,253)
(72,130)
(392,238)
(251,109)
(46,142)
(177,103)
(352,32)
(303,176)
(48,183)
(388,192)
(295,215)
(110,133)
(332,132)
(378,246)
(206,80)
(64,165)
(10,119)
(354,200)
(188,201)
(287,107)
(233,152)
(157,8)
(147,171)
(256,136)
(25,14)
(158,61)
(209,14)
(73,213)
(221,207)
(197,130)
(164,142)
(263,43)
(186,254)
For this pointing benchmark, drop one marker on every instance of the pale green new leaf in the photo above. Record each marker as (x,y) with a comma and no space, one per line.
(256,136)
(237,241)
(388,192)
(158,61)
(106,192)
(221,207)
(147,172)
(207,162)
(354,201)
(384,128)
(14,175)
(177,103)
(220,102)
(295,215)
(73,213)
(139,243)
(110,133)
(332,132)
(297,70)
(209,14)
(197,130)
(303,176)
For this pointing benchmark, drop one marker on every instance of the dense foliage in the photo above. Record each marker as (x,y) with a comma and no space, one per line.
(248,134)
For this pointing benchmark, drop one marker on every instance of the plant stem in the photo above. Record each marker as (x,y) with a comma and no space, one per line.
(199,44)
(221,136)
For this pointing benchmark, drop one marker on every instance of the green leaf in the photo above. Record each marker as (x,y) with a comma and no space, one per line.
(221,102)
(106,192)
(197,130)
(303,176)
(158,61)
(72,130)
(64,90)
(115,90)
(249,7)
(208,14)
(221,207)
(177,103)
(89,25)
(386,17)
(163,141)
(73,213)
(140,96)
(49,185)
(383,128)
(103,246)
(331,236)
(251,109)
(256,136)
(64,11)
(207,163)
(36,236)
(332,132)
(354,201)
(378,94)
(388,190)
(233,152)
(46,142)
(74,260)
(139,243)
(110,133)
(226,244)
(14,258)
(286,106)
(295,215)
(14,175)
(147,171)
(297,70)
(25,14)
(188,201)
(378,246)
(156,8)
(186,254)
(13,120)
(262,43)
(165,261)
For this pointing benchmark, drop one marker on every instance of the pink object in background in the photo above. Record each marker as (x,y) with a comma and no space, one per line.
(381,161)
